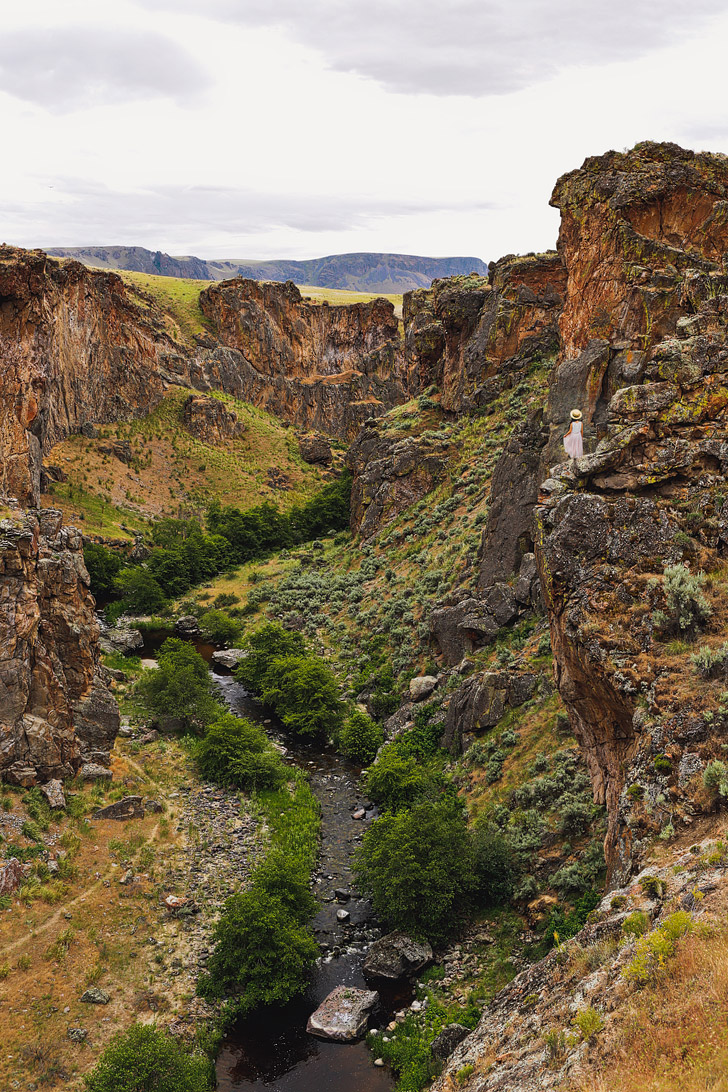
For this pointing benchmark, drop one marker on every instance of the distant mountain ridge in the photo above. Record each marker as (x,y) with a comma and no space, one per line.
(363,272)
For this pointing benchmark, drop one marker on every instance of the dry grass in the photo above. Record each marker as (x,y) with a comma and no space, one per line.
(673,1035)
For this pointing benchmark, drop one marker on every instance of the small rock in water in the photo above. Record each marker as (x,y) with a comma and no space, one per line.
(341,894)
(358,814)
(379,1061)
(342,915)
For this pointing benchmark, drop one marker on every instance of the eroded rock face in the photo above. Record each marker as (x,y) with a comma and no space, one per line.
(210,420)
(55,706)
(390,472)
(645,358)
(469,334)
(320,366)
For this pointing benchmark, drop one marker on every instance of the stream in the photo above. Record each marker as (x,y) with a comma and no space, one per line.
(271,1049)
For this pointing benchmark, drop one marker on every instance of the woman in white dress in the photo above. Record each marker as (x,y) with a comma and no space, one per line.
(573,441)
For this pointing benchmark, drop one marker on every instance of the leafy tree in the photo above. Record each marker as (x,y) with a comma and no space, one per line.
(235,752)
(180,686)
(416,865)
(495,867)
(304,693)
(262,954)
(103,567)
(140,593)
(263,645)
(145,1059)
(360,738)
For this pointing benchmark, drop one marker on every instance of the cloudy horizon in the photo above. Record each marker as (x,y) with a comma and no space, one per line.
(276,131)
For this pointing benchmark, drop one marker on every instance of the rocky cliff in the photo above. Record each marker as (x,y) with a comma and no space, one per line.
(323,367)
(56,711)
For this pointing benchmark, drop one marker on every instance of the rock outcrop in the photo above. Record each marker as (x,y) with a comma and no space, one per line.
(209,420)
(319,366)
(644,355)
(56,711)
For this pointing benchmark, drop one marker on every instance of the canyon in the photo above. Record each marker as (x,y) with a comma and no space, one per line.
(625,320)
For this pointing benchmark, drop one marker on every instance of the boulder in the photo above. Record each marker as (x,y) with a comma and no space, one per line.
(77,1035)
(94,996)
(343,1015)
(130,807)
(422,686)
(124,639)
(460,629)
(450,1037)
(315,449)
(11,875)
(91,771)
(229,657)
(187,627)
(396,956)
(53,792)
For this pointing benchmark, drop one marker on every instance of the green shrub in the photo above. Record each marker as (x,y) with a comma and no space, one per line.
(653,950)
(145,1059)
(234,752)
(399,780)
(495,867)
(417,866)
(711,663)
(589,1022)
(715,777)
(662,764)
(360,738)
(636,924)
(263,645)
(219,627)
(687,609)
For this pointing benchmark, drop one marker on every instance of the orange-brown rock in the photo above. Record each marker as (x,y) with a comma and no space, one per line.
(55,708)
(75,349)
(319,366)
(645,357)
(472,336)
(210,420)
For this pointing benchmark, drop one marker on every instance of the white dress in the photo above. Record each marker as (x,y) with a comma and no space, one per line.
(573,440)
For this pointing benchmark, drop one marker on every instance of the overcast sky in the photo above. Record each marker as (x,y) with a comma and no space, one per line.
(276,128)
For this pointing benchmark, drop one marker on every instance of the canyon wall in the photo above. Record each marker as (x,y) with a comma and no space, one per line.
(319,366)
(79,348)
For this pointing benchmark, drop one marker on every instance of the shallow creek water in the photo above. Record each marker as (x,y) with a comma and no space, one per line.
(272,1049)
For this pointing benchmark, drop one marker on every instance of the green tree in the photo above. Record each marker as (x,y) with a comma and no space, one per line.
(304,693)
(360,737)
(236,753)
(103,567)
(220,627)
(495,867)
(262,954)
(139,591)
(180,686)
(263,645)
(416,865)
(144,1059)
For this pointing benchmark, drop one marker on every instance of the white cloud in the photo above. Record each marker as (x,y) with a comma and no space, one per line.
(466,47)
(76,67)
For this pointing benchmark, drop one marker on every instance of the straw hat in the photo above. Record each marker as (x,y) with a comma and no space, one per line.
(576,415)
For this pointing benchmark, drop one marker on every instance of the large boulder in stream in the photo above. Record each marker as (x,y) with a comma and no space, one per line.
(124,639)
(229,657)
(343,1015)
(396,956)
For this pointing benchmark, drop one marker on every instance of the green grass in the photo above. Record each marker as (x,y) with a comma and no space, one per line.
(341,296)
(178,297)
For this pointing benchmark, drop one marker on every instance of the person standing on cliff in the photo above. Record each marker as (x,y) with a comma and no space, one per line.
(573,441)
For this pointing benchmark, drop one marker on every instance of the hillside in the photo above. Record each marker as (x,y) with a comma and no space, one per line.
(382,274)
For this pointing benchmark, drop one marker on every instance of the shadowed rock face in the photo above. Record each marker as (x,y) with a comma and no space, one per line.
(319,366)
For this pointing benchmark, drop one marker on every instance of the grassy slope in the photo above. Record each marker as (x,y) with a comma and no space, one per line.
(172,471)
